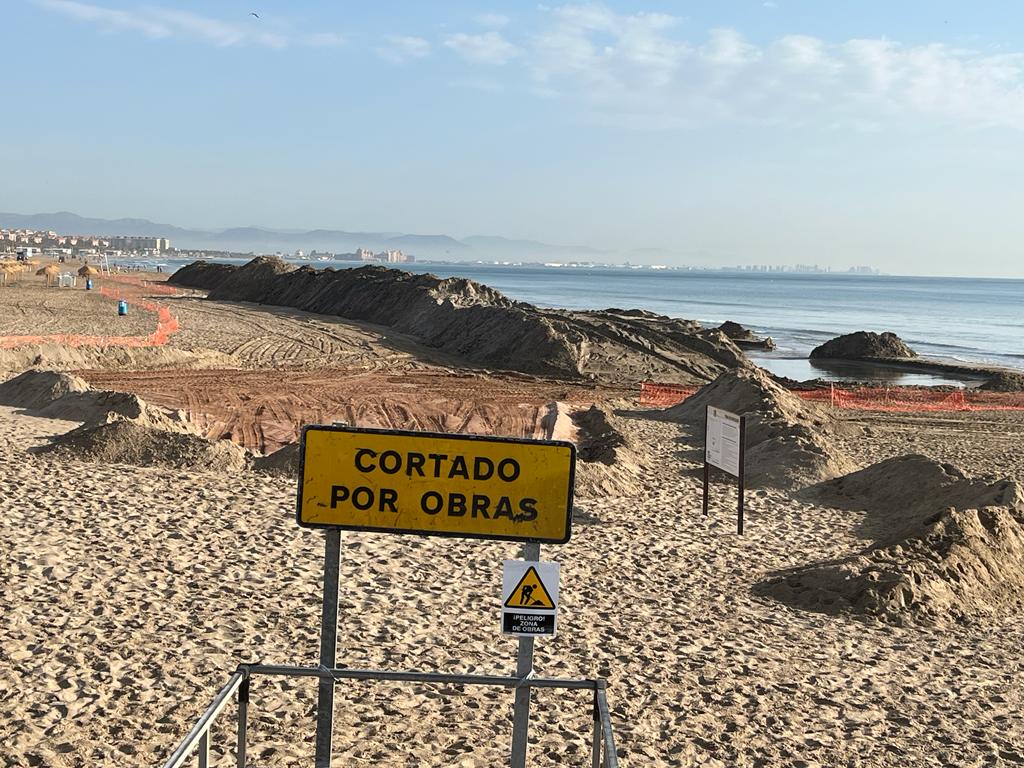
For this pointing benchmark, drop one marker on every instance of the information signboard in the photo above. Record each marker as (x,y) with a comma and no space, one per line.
(436,484)
(722,440)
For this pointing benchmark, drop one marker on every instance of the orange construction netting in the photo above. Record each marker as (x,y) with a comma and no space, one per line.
(166,323)
(903,399)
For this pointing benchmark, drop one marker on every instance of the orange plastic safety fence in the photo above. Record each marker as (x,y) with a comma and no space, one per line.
(897,399)
(663,394)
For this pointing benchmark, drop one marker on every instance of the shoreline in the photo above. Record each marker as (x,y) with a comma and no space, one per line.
(872,370)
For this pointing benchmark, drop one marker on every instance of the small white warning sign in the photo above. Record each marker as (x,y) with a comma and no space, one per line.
(529,598)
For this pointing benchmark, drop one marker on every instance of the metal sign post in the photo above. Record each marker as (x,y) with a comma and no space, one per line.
(328,647)
(725,437)
(524,667)
(433,484)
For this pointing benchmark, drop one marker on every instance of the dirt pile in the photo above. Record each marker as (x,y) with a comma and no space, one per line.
(205,275)
(484,327)
(283,462)
(864,345)
(608,461)
(597,439)
(33,390)
(130,441)
(63,396)
(58,357)
(946,548)
(788,440)
(1005,381)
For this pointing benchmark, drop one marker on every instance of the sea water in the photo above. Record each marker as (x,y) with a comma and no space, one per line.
(973,320)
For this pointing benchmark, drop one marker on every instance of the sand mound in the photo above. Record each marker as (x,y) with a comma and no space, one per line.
(58,357)
(482,326)
(283,462)
(864,344)
(597,440)
(609,462)
(788,440)
(57,395)
(947,549)
(1005,381)
(34,390)
(204,275)
(128,441)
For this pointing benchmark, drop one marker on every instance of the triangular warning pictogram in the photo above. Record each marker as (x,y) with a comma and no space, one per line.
(530,593)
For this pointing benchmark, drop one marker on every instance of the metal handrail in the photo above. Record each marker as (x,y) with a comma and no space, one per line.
(603,747)
(198,736)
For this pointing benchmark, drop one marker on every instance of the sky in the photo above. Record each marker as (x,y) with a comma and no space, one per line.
(710,133)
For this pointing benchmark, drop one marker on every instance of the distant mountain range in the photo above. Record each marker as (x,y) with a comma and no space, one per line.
(262,240)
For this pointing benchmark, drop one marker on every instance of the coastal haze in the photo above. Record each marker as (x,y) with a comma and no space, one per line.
(457,240)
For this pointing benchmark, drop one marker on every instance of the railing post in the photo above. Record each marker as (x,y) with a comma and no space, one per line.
(524,666)
(328,647)
(243,719)
(596,744)
(204,750)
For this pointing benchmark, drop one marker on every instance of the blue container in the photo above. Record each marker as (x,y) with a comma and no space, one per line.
(88,283)
(122,308)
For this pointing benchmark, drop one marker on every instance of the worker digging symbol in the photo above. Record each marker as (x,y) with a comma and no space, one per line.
(530,592)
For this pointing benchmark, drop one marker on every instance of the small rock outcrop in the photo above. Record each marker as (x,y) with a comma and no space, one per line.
(864,345)
(483,327)
(744,338)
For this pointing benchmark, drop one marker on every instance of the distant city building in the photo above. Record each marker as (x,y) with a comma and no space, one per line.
(131,243)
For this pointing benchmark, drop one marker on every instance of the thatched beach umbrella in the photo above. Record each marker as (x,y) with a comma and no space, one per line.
(50,272)
(87,270)
(7,268)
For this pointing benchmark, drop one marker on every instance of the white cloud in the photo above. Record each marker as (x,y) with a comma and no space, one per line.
(109,18)
(400,48)
(323,40)
(155,22)
(637,69)
(486,48)
(495,20)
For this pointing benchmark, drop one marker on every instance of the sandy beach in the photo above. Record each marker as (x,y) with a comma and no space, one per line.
(132,592)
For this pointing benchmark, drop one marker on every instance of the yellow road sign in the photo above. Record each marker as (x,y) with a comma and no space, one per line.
(436,484)
(530,593)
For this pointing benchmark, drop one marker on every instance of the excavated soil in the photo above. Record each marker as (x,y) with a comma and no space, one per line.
(58,357)
(283,462)
(789,441)
(264,410)
(482,327)
(63,396)
(946,548)
(129,441)
(33,390)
